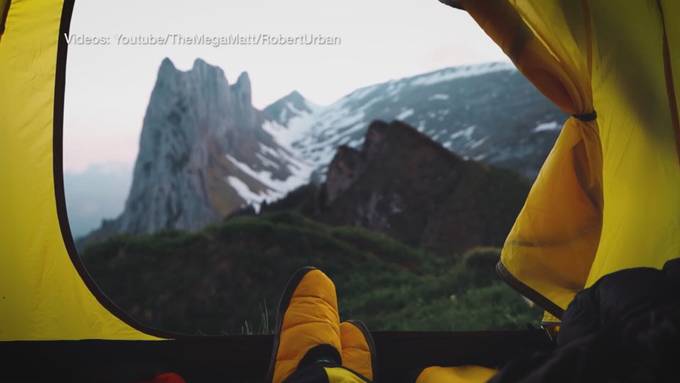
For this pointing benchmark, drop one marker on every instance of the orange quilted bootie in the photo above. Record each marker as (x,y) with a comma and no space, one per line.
(307,328)
(358,349)
(307,339)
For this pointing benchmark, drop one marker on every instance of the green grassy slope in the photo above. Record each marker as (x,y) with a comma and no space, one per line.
(228,278)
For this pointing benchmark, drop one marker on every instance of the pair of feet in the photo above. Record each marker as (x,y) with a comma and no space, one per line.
(311,343)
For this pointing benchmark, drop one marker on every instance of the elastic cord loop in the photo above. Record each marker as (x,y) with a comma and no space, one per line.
(586,117)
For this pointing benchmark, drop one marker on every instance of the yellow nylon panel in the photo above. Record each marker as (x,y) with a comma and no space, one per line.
(41,293)
(553,242)
(562,28)
(503,24)
(550,320)
(641,168)
(462,374)
(341,375)
(618,177)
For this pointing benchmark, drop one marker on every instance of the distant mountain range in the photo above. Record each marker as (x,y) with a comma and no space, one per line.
(94,193)
(206,152)
(487,112)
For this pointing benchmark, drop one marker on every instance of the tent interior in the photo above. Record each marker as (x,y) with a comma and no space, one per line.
(598,206)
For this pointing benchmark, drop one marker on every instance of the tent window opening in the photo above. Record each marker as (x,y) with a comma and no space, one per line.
(197,181)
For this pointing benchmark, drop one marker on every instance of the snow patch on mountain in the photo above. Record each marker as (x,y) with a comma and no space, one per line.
(547,126)
(466,133)
(276,188)
(477,143)
(217,152)
(478,111)
(405,113)
(460,72)
(439,97)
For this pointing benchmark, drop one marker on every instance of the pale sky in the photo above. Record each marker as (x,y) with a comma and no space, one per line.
(108,87)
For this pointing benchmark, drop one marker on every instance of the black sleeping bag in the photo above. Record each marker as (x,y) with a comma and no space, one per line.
(625,328)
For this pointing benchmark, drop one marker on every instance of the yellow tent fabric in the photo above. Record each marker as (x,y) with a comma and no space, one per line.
(42,296)
(608,196)
(460,374)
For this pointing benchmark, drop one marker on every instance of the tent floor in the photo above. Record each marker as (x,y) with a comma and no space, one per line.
(244,358)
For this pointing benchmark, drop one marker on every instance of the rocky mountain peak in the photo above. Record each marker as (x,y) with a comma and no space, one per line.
(199,62)
(486,112)
(200,66)
(168,73)
(167,65)
(347,165)
(203,154)
(292,105)
(296,98)
(243,90)
(404,184)
(205,150)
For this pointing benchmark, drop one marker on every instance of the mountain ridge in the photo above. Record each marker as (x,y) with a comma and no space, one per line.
(403,184)
(202,154)
(487,112)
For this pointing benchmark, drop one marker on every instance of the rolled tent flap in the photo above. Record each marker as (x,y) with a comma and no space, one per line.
(43,295)
(553,241)
(608,195)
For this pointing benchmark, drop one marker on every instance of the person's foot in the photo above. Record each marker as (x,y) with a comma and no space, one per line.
(307,326)
(358,349)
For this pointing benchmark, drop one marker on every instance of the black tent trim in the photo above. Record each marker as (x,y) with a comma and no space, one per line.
(3,16)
